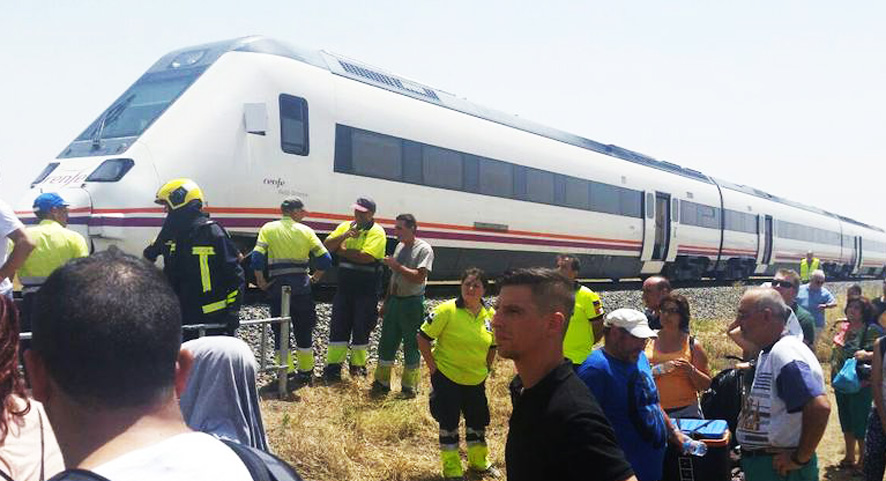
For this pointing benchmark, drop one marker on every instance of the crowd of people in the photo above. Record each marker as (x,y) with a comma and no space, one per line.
(120,388)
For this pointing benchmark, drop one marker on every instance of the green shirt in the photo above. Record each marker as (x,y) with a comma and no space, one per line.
(579,339)
(462,341)
(807,324)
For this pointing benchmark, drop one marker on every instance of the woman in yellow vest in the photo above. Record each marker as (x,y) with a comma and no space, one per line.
(459,362)
(679,364)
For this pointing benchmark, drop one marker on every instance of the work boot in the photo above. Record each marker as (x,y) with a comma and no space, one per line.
(332,373)
(378,389)
(358,371)
(408,392)
(301,378)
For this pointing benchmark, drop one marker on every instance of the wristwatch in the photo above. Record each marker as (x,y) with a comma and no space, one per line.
(796,460)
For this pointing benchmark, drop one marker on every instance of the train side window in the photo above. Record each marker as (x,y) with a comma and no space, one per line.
(442,168)
(539,186)
(412,171)
(605,198)
(675,210)
(650,205)
(376,155)
(293,125)
(472,173)
(630,202)
(577,193)
(496,178)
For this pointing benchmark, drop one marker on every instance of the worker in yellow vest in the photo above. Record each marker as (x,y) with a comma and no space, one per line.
(360,248)
(808,266)
(54,245)
(285,248)
(586,325)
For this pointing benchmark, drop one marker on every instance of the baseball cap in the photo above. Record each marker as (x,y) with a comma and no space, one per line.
(46,202)
(631,320)
(292,203)
(364,204)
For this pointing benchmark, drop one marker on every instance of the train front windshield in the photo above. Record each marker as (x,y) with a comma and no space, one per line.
(140,105)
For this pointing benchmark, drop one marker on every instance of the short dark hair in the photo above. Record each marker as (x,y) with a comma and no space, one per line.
(576,263)
(551,291)
(856,288)
(108,328)
(868,312)
(682,308)
(409,220)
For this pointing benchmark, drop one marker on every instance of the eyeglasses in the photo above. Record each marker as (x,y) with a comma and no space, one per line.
(781,283)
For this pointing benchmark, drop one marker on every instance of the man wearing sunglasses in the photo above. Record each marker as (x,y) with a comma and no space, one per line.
(787,283)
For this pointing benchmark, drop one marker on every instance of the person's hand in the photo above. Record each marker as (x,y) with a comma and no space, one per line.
(683,366)
(352,232)
(782,463)
(315,277)
(391,262)
(263,284)
(432,368)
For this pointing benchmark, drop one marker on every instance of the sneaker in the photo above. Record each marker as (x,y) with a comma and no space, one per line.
(378,389)
(358,371)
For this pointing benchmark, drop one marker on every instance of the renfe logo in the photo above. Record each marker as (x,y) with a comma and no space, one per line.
(66,178)
(278,182)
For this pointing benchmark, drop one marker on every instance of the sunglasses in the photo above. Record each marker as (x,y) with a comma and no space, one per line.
(784,284)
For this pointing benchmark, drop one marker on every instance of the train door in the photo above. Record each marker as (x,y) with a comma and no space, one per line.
(657,231)
(764,243)
(857,256)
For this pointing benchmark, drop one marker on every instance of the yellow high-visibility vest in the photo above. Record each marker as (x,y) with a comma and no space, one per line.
(806,269)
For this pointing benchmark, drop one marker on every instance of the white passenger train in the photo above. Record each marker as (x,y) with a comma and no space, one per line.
(253,120)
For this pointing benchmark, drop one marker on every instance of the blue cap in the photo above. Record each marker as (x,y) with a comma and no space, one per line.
(45,202)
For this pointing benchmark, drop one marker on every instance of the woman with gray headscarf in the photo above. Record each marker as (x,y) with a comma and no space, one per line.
(220,397)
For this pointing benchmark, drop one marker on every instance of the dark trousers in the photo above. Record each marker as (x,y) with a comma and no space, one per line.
(354,316)
(304,318)
(449,400)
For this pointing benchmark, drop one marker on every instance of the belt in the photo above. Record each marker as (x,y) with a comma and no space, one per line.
(752,453)
(358,267)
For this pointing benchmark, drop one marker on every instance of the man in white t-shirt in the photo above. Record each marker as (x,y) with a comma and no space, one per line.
(11,228)
(784,415)
(106,364)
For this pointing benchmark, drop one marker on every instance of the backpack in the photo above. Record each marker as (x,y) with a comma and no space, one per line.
(262,466)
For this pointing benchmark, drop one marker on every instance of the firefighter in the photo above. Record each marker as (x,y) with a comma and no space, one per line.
(200,260)
(360,247)
(286,247)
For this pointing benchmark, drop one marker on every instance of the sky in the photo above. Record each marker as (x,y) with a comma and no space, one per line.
(786,96)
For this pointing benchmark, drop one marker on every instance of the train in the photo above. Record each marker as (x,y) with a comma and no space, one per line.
(254,120)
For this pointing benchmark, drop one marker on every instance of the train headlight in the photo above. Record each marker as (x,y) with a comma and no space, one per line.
(111,170)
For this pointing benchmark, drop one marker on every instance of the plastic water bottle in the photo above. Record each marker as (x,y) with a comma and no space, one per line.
(663,368)
(695,448)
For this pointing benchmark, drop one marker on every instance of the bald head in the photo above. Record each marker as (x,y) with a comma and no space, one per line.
(654,289)
(762,314)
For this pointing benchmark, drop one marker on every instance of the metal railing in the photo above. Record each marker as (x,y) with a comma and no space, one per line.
(264,366)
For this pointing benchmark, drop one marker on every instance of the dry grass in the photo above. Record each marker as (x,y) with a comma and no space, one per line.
(341,433)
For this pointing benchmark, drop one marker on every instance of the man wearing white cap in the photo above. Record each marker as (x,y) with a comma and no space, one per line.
(620,377)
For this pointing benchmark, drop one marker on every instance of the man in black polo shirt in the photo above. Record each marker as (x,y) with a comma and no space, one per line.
(557,429)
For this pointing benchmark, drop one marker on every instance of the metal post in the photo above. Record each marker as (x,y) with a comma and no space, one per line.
(284,341)
(263,348)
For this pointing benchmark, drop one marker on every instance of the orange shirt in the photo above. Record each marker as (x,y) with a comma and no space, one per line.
(675,389)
